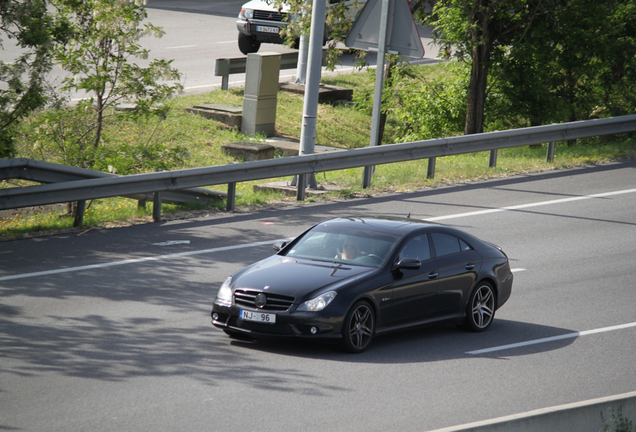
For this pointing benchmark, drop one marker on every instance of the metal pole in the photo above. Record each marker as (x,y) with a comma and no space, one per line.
(312,86)
(231,196)
(302,56)
(379,84)
(493,159)
(431,168)
(156,207)
(80,208)
(301,185)
(551,150)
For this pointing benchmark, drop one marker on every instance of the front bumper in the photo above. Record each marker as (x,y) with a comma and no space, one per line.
(288,324)
(250,28)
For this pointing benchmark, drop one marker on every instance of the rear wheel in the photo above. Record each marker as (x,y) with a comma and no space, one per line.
(481,308)
(358,328)
(247,44)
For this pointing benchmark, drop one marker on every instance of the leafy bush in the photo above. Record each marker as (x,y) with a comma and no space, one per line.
(64,136)
(621,424)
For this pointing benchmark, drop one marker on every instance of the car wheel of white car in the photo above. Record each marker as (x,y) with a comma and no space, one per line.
(247,44)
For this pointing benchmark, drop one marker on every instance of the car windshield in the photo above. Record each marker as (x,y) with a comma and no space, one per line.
(344,245)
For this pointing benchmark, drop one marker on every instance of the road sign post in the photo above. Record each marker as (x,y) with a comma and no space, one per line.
(397,35)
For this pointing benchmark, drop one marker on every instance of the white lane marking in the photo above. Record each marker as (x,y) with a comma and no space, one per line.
(553,338)
(537,204)
(135,261)
(201,86)
(226,42)
(515,270)
(71,269)
(182,46)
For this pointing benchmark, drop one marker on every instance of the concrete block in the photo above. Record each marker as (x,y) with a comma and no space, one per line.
(249,151)
(326,93)
(229,115)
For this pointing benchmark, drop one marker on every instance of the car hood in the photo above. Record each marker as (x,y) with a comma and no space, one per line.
(298,278)
(262,5)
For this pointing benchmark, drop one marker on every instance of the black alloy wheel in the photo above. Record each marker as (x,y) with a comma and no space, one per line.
(481,308)
(247,44)
(358,328)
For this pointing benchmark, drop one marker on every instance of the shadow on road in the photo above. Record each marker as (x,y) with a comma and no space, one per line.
(428,344)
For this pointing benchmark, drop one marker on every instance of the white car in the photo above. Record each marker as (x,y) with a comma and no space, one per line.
(260,22)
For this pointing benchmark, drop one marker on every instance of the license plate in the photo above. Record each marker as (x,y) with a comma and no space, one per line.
(266,318)
(267,29)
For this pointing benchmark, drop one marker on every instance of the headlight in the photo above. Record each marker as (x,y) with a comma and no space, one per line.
(247,13)
(318,303)
(225,292)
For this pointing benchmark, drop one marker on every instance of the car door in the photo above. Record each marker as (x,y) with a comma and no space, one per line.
(458,266)
(414,291)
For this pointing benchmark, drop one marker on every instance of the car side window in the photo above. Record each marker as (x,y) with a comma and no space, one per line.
(464,246)
(417,248)
(446,244)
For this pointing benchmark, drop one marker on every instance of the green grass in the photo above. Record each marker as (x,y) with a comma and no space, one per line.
(338,125)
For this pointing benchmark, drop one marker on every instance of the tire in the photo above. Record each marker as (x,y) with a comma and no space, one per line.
(358,328)
(237,335)
(481,308)
(247,44)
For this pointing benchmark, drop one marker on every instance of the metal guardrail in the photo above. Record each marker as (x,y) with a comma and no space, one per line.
(224,67)
(310,163)
(45,172)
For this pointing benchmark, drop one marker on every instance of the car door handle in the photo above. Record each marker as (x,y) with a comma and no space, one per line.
(470,266)
(432,275)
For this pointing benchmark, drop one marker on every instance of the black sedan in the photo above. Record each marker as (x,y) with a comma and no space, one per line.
(349,279)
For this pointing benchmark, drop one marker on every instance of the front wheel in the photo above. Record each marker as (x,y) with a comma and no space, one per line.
(358,328)
(481,308)
(247,44)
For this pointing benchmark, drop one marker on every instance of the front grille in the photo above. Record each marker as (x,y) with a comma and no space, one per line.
(269,16)
(275,302)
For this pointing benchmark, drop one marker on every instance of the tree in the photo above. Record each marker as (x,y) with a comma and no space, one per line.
(102,52)
(480,32)
(22,90)
(577,62)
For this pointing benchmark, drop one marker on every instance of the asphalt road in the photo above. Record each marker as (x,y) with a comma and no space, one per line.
(110,330)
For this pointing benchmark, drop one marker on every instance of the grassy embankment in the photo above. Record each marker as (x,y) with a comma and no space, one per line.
(339,126)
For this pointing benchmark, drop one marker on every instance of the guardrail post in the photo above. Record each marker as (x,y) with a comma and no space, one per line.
(430,174)
(80,208)
(551,150)
(222,69)
(493,159)
(301,184)
(156,207)
(231,196)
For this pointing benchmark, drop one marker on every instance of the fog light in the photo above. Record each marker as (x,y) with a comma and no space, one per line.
(215,316)
(313,330)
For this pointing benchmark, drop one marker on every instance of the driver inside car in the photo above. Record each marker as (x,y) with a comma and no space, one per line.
(350,250)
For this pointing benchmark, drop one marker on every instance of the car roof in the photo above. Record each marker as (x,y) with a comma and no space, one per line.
(387,224)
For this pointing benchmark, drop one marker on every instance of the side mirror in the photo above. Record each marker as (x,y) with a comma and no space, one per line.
(407,264)
(279,245)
